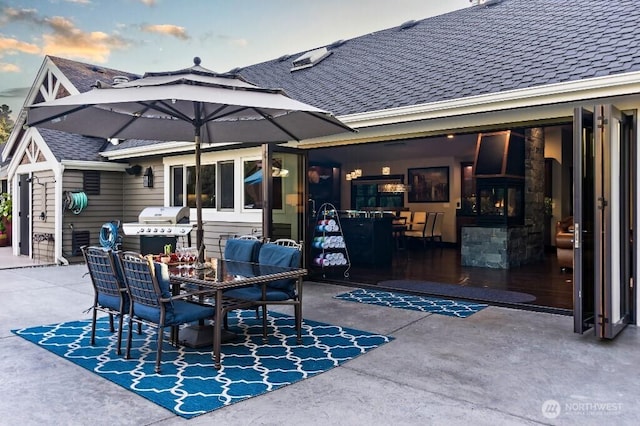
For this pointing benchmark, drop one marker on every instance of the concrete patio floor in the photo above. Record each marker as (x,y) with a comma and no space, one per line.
(9,261)
(498,367)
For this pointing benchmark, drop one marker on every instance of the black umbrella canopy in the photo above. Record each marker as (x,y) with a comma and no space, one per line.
(189,104)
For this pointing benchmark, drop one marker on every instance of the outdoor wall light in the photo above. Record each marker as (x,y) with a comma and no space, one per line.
(386,170)
(147,178)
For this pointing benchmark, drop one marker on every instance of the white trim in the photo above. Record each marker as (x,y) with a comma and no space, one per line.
(160,149)
(46,67)
(621,84)
(15,165)
(93,165)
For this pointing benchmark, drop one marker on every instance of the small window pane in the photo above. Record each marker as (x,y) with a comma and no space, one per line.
(208,179)
(227,185)
(177,198)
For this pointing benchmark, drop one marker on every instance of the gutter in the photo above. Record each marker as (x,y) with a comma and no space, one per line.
(58,217)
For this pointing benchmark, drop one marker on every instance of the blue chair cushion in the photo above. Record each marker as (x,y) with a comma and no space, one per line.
(242,250)
(255,293)
(111,302)
(181,312)
(162,275)
(273,254)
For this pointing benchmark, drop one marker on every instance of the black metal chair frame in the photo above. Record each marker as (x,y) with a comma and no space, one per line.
(105,280)
(142,284)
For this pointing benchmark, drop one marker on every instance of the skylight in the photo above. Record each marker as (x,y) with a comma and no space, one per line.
(310,58)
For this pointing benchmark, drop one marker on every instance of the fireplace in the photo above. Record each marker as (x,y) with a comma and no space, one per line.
(500,238)
(499,174)
(500,201)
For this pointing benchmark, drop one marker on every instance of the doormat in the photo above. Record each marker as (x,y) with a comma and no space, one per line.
(452,308)
(459,291)
(188,384)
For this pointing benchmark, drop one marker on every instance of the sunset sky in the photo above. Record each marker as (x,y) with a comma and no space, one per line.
(160,35)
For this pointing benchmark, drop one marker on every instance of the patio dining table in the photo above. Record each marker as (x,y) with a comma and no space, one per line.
(211,282)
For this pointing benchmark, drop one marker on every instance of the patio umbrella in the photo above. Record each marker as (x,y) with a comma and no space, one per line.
(190,104)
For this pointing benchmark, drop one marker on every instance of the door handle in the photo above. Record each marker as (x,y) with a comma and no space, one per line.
(576,235)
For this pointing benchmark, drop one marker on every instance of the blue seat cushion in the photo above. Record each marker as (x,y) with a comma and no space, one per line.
(242,250)
(273,254)
(182,312)
(255,293)
(111,302)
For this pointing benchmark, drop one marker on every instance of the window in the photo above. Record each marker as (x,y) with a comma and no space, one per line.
(183,181)
(253,184)
(365,193)
(226,187)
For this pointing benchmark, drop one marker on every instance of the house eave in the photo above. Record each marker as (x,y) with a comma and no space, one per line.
(158,150)
(593,88)
(93,165)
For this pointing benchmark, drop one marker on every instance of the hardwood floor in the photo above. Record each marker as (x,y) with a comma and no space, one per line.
(544,280)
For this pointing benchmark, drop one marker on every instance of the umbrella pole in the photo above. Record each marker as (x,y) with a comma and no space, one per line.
(199,228)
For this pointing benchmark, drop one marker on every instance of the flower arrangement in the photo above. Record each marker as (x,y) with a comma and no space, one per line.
(5,210)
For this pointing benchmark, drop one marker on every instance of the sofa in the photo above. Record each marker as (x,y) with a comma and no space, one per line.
(564,242)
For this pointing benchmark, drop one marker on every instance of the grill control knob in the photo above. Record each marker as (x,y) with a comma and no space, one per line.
(161,230)
(149,230)
(141,230)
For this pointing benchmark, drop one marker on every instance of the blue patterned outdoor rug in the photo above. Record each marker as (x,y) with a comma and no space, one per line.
(452,308)
(188,385)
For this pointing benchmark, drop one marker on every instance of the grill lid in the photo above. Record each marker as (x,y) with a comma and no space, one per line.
(164,215)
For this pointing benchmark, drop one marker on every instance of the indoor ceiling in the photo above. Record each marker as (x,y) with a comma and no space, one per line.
(463,145)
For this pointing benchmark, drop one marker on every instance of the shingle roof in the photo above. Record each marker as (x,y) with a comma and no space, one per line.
(69,146)
(499,46)
(84,76)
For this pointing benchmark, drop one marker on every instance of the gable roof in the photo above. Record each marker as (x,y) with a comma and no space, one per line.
(83,76)
(499,46)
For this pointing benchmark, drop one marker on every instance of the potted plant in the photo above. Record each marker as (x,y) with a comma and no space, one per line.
(5,215)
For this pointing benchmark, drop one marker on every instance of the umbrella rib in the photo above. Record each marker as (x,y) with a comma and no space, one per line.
(270,120)
(336,122)
(128,123)
(167,109)
(62,114)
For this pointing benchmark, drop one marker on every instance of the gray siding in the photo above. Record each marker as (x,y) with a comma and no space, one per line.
(43,215)
(102,208)
(136,197)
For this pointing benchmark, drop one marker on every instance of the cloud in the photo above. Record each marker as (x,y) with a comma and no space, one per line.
(65,39)
(167,29)
(79,1)
(239,42)
(4,67)
(11,45)
(148,2)
(15,92)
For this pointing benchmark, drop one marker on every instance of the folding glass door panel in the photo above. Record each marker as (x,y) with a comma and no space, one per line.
(603,216)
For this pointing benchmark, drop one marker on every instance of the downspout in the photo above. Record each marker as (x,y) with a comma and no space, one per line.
(58,217)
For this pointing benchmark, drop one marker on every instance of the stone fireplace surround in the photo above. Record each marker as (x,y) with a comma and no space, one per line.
(502,246)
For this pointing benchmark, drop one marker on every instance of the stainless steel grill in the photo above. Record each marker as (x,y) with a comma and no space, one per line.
(160,221)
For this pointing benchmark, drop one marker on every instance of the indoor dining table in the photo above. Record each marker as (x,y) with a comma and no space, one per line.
(211,282)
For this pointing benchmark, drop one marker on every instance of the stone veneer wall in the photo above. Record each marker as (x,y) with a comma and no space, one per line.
(498,247)
(506,247)
(534,193)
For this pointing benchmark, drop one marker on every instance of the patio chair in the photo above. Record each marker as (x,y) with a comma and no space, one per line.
(151,301)
(110,292)
(280,292)
(243,248)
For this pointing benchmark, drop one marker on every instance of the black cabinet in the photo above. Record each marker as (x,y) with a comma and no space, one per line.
(369,240)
